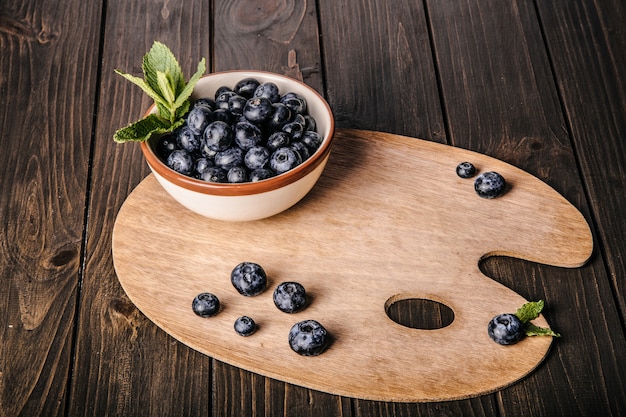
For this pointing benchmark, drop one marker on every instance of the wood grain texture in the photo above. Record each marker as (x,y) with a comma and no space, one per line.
(43,172)
(500,99)
(588,63)
(125,365)
(427,232)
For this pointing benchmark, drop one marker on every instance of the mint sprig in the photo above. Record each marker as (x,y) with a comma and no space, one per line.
(531,311)
(165,83)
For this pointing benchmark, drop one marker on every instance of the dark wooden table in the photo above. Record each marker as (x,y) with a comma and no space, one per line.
(539,84)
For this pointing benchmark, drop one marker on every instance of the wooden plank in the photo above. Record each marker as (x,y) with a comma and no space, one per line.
(500,99)
(124,364)
(427,232)
(260,36)
(43,172)
(586,41)
(380,76)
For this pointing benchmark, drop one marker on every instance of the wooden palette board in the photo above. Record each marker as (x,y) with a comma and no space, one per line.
(388,220)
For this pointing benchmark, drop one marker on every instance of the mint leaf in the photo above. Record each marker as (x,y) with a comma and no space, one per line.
(161,59)
(186,92)
(143,129)
(165,84)
(532,330)
(529,311)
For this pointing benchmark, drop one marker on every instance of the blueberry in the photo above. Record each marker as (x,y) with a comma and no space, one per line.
(181,161)
(213,174)
(248,278)
(260,174)
(257,157)
(231,157)
(236,104)
(247,135)
(295,102)
(221,101)
(198,119)
(202,164)
(188,140)
(506,329)
(246,87)
(207,102)
(312,140)
(294,129)
(310,124)
(278,140)
(290,297)
(280,116)
(269,90)
(465,170)
(223,115)
(301,148)
(258,109)
(308,338)
(237,174)
(206,304)
(284,159)
(165,145)
(245,326)
(218,136)
(490,185)
(221,90)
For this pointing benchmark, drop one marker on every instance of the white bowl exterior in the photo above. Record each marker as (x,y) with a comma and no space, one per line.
(244,207)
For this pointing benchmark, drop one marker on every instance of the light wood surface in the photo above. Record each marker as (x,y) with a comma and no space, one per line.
(389,220)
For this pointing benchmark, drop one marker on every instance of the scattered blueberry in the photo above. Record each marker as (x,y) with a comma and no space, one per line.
(245,326)
(506,329)
(206,304)
(290,297)
(490,185)
(221,101)
(294,130)
(248,278)
(465,170)
(308,338)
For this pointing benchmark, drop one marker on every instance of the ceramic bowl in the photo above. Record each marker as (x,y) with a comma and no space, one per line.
(251,200)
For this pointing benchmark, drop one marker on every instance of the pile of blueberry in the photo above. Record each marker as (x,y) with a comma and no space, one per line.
(246,133)
(487,185)
(307,337)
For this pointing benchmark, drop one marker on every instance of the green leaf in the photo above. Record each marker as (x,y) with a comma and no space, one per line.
(161,59)
(143,129)
(532,330)
(186,93)
(144,86)
(529,311)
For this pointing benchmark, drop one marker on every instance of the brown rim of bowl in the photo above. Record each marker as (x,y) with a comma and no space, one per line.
(245,188)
